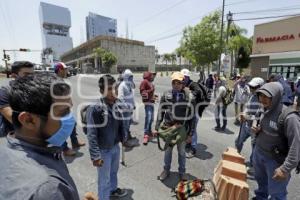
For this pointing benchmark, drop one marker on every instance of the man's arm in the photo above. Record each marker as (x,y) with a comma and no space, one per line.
(5,109)
(161,112)
(55,189)
(93,120)
(7,113)
(293,134)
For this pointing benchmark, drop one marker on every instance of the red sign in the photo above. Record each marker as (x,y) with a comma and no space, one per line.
(275,38)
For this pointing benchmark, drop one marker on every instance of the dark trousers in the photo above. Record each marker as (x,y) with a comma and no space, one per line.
(73,137)
(221,110)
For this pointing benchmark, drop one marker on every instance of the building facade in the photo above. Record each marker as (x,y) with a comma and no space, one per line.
(131,54)
(55,24)
(97,25)
(276,48)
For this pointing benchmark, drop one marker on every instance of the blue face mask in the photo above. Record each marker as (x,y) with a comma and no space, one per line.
(66,128)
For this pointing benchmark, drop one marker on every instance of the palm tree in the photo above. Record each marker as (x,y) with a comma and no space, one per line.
(173,58)
(98,54)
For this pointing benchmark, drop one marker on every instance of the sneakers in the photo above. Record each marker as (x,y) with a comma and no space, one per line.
(118,193)
(223,128)
(250,171)
(78,144)
(237,122)
(217,128)
(146,139)
(183,177)
(191,152)
(69,152)
(164,175)
(128,144)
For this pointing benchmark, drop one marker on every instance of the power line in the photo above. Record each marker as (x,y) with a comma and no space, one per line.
(239,2)
(268,10)
(180,25)
(159,13)
(256,18)
(165,37)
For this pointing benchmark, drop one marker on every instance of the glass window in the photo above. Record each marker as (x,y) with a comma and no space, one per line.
(284,75)
(273,69)
(278,69)
(292,69)
(285,69)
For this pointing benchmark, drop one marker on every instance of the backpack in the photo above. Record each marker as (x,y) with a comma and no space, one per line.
(228,98)
(83,116)
(204,189)
(174,135)
(204,98)
(281,154)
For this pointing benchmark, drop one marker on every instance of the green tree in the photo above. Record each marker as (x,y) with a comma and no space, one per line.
(98,54)
(240,45)
(173,58)
(201,44)
(167,58)
(109,59)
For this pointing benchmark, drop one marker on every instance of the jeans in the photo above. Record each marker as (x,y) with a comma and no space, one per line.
(149,114)
(127,122)
(74,139)
(181,158)
(222,110)
(264,169)
(195,137)
(107,173)
(243,136)
(237,111)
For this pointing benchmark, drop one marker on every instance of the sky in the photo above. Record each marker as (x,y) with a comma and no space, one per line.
(156,22)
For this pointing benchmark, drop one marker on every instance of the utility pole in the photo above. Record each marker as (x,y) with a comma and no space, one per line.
(221,37)
(229,20)
(5,61)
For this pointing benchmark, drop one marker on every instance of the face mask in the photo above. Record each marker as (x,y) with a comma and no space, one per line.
(66,128)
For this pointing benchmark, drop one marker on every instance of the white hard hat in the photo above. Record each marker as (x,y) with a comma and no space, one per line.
(185,72)
(256,81)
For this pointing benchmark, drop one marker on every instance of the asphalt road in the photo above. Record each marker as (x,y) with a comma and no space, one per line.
(145,163)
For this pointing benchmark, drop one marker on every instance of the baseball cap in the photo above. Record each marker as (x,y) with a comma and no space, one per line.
(177,76)
(185,72)
(256,81)
(58,66)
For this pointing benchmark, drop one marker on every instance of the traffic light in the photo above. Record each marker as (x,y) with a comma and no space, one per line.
(21,49)
(8,57)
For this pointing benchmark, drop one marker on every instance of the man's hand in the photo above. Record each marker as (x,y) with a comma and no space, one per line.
(280,175)
(242,117)
(255,129)
(98,163)
(90,196)
(155,133)
(189,139)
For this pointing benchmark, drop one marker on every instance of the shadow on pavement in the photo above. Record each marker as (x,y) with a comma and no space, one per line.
(173,179)
(202,153)
(227,131)
(70,159)
(128,196)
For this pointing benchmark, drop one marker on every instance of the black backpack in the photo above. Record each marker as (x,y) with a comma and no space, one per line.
(204,97)
(83,116)
(281,154)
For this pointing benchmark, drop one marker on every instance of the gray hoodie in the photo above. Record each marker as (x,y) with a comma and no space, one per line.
(268,138)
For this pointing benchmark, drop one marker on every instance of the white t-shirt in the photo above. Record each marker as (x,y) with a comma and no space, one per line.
(241,94)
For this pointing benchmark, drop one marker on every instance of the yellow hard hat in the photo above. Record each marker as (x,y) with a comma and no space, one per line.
(177,76)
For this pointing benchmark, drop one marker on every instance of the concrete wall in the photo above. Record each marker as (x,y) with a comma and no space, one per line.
(260,66)
(130,53)
(277,36)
